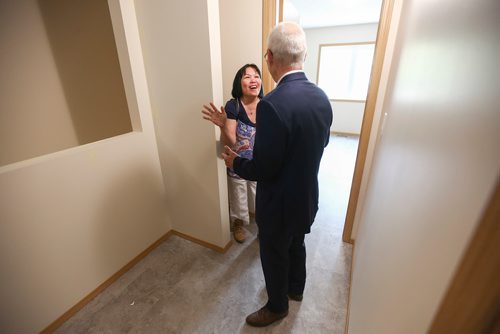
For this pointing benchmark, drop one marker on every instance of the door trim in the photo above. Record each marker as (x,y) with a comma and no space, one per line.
(268,23)
(471,302)
(366,125)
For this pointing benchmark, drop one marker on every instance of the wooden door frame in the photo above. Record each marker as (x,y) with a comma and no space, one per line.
(268,22)
(471,303)
(366,125)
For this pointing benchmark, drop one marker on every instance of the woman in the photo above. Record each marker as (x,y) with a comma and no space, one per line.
(237,122)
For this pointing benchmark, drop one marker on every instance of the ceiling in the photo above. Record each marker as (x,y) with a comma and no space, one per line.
(326,13)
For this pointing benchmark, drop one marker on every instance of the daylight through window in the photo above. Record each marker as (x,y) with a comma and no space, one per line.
(344,70)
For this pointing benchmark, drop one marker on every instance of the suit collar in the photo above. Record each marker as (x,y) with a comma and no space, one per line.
(292,75)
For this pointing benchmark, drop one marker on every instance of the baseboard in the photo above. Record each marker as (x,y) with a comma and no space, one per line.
(348,312)
(72,311)
(203,243)
(345,134)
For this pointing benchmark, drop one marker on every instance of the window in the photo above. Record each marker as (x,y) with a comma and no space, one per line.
(344,70)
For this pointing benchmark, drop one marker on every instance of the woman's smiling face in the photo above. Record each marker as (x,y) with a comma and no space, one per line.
(250,82)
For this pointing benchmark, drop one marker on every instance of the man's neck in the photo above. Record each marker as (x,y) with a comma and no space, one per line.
(282,70)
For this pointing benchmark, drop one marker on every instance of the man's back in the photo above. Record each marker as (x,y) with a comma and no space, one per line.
(293,127)
(294,120)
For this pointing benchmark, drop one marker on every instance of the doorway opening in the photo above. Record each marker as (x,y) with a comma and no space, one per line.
(353,26)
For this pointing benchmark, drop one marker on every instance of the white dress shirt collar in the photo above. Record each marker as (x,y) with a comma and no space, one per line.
(287,73)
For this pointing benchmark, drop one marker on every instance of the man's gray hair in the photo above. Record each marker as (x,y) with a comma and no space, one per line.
(287,42)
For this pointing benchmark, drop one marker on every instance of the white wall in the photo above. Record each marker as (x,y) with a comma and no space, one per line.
(61,84)
(71,219)
(347,115)
(181,47)
(241,38)
(435,167)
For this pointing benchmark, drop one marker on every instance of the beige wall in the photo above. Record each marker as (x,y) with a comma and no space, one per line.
(241,38)
(71,219)
(61,84)
(26,84)
(435,166)
(347,115)
(179,42)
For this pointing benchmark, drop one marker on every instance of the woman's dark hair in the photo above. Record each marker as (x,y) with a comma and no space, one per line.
(237,92)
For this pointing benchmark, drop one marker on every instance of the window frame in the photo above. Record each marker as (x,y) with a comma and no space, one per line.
(344,44)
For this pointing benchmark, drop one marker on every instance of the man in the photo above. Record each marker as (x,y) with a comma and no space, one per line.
(293,127)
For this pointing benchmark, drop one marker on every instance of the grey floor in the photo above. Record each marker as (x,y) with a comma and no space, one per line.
(182,287)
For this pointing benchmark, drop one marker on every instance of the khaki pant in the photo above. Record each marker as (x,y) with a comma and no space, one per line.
(241,199)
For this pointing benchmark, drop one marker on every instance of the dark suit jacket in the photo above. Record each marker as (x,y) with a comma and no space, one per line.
(293,127)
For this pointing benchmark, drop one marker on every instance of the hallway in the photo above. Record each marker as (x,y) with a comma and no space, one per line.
(182,287)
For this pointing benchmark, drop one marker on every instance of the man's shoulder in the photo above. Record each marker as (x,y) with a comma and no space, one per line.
(292,88)
(296,94)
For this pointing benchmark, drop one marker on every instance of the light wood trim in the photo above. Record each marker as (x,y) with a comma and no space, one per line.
(72,311)
(343,100)
(344,134)
(280,16)
(203,243)
(268,23)
(471,304)
(317,66)
(366,125)
(346,325)
(346,44)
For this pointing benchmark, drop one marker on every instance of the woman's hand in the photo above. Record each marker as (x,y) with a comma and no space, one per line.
(212,114)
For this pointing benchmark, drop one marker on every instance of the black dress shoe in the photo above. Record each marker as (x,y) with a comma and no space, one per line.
(295,296)
(264,317)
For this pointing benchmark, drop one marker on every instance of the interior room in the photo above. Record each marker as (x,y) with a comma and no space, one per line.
(113,196)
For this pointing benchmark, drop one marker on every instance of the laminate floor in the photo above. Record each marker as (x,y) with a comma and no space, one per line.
(182,287)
